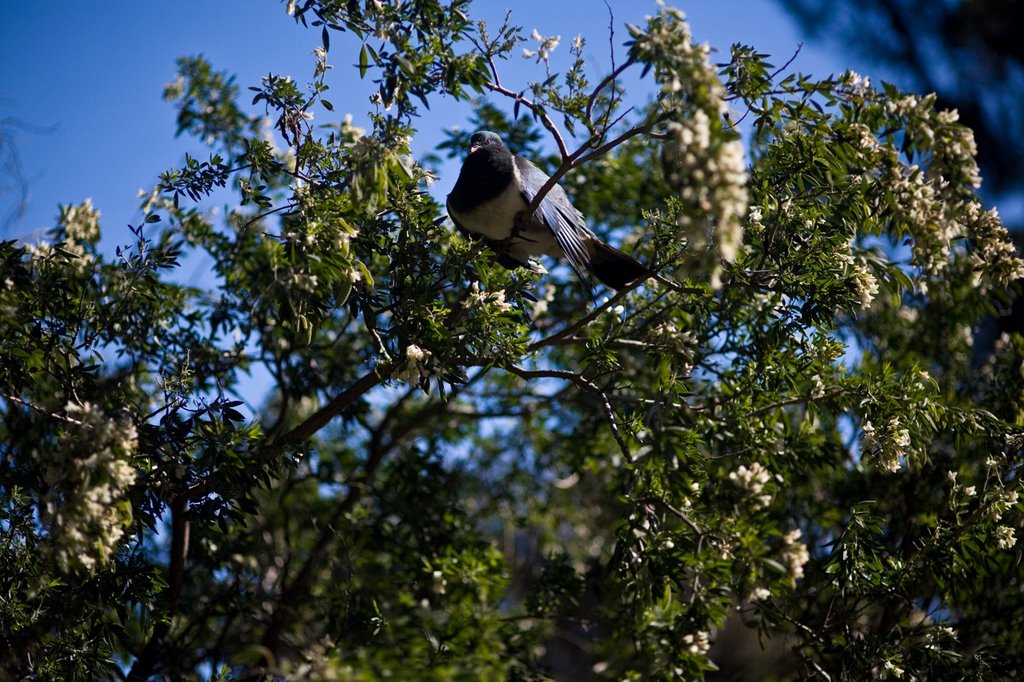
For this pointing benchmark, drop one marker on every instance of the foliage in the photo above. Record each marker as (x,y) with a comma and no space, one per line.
(465,472)
(964,51)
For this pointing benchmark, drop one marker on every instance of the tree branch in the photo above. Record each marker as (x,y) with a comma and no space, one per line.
(337,405)
(587,386)
(583,321)
(153,652)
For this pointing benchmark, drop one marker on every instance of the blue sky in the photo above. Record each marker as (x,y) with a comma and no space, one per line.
(89,77)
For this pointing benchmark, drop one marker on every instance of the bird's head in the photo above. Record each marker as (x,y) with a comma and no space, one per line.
(484,138)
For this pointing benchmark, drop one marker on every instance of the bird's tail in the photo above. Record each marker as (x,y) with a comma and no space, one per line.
(614,268)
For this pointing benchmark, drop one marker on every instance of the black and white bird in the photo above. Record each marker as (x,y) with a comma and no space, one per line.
(495,185)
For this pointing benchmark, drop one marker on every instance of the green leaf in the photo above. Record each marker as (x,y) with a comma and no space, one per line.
(364,61)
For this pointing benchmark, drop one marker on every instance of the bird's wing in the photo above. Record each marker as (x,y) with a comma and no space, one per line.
(557,214)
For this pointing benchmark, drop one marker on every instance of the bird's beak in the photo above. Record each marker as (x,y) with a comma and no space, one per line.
(473,148)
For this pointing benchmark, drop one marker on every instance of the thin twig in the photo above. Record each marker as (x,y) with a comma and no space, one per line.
(799,46)
(51,415)
(584,384)
(678,513)
(260,216)
(609,79)
(538,111)
(583,321)
(794,401)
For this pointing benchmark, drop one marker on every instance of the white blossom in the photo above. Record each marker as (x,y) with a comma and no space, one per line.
(304,281)
(752,480)
(892,445)
(994,257)
(817,387)
(703,163)
(893,669)
(760,594)
(865,284)
(886,445)
(856,82)
(414,368)
(794,554)
(697,643)
(683,345)
(1005,537)
(711,176)
(540,306)
(864,138)
(89,472)
(81,223)
(1002,502)
(867,437)
(545,46)
(483,298)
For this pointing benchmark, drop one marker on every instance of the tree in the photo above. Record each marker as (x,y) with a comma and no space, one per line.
(463,471)
(967,52)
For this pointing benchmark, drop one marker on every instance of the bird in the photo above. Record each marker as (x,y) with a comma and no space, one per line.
(495,185)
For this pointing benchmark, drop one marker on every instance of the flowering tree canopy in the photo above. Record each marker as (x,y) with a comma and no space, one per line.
(793,452)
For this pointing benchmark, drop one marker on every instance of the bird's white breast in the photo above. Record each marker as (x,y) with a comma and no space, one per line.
(496,219)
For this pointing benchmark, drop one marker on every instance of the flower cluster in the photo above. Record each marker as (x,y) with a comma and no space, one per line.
(891,668)
(703,162)
(817,387)
(484,298)
(919,209)
(1006,537)
(304,281)
(752,480)
(857,83)
(77,227)
(545,46)
(863,138)
(1002,501)
(889,446)
(936,204)
(681,344)
(760,593)
(81,223)
(89,471)
(951,144)
(540,306)
(994,258)
(710,176)
(865,285)
(698,642)
(415,367)
(794,554)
